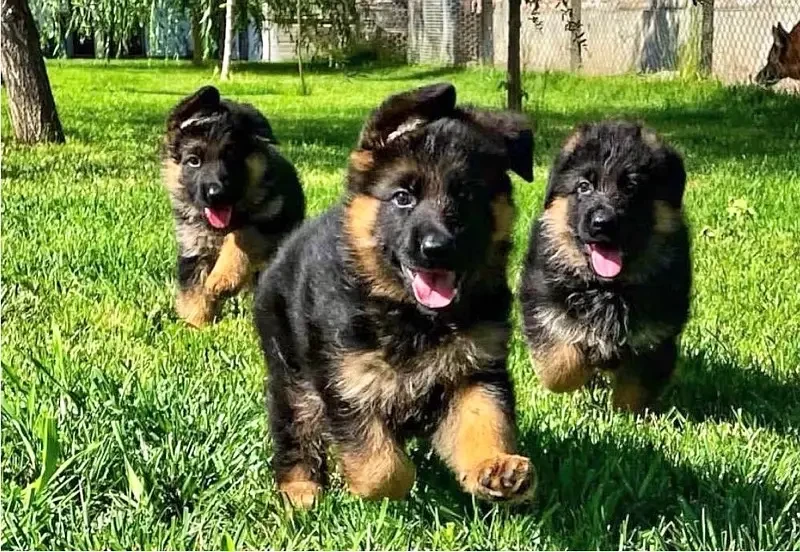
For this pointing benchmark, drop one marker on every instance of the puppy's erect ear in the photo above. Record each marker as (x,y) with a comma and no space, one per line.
(673,176)
(563,156)
(514,129)
(404,112)
(205,99)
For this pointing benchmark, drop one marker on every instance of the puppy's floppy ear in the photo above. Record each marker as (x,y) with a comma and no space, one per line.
(405,111)
(514,129)
(205,99)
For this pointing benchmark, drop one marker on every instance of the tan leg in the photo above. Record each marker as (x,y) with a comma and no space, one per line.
(298,489)
(561,368)
(476,439)
(195,306)
(379,467)
(233,268)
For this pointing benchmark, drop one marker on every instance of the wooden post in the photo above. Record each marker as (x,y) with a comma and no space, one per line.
(514,77)
(707,38)
(575,54)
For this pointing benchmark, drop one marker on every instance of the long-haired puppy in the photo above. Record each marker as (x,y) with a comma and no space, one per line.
(388,316)
(234,198)
(606,281)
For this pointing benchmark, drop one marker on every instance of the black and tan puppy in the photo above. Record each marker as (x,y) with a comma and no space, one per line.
(387,316)
(234,198)
(606,281)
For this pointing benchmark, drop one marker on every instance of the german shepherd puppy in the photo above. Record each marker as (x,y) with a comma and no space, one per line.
(387,316)
(234,197)
(607,277)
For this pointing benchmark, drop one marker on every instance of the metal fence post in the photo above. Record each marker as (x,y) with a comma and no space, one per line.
(707,38)
(513,64)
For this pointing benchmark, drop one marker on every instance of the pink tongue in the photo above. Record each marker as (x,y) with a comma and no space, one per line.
(435,290)
(219,217)
(606,261)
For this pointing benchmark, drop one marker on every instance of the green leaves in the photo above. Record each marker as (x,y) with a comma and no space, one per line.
(51,451)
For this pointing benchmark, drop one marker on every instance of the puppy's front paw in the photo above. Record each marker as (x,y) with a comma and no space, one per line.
(300,495)
(504,478)
(195,308)
(224,284)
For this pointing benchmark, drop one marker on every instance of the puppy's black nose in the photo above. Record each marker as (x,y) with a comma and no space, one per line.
(435,246)
(214,193)
(603,223)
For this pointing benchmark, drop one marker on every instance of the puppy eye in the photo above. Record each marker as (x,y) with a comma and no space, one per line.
(404,199)
(629,182)
(584,186)
(193,161)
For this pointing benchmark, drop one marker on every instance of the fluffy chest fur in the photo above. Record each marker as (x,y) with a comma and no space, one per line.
(398,382)
(604,320)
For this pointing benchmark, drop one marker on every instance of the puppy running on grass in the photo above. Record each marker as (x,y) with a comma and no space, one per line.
(234,198)
(388,316)
(606,282)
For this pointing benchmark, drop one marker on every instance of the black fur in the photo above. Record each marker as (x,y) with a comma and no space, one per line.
(627,324)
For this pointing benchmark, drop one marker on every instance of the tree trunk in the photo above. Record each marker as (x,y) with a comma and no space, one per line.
(33,110)
(197,36)
(226,56)
(298,45)
(514,79)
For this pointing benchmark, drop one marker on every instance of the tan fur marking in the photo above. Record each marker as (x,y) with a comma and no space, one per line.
(195,307)
(503,213)
(572,142)
(651,139)
(561,368)
(556,226)
(233,269)
(360,218)
(362,160)
(477,440)
(666,218)
(365,378)
(381,469)
(171,175)
(298,489)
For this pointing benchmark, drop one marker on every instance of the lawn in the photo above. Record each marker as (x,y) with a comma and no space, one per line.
(123,428)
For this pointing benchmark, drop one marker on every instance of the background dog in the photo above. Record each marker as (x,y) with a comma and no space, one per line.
(607,277)
(387,316)
(234,198)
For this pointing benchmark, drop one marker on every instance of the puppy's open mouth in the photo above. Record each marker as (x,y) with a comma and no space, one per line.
(434,289)
(218,217)
(606,260)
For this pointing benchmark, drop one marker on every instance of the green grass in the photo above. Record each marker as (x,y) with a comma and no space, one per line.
(122,428)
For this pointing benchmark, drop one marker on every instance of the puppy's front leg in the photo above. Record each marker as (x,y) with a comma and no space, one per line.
(192,303)
(235,264)
(476,438)
(374,463)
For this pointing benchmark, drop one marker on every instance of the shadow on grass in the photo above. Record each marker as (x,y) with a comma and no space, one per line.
(733,123)
(596,494)
(711,390)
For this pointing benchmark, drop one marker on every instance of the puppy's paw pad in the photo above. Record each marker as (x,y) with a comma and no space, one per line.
(301,495)
(506,478)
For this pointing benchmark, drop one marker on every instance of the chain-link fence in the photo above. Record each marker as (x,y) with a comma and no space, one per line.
(603,36)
